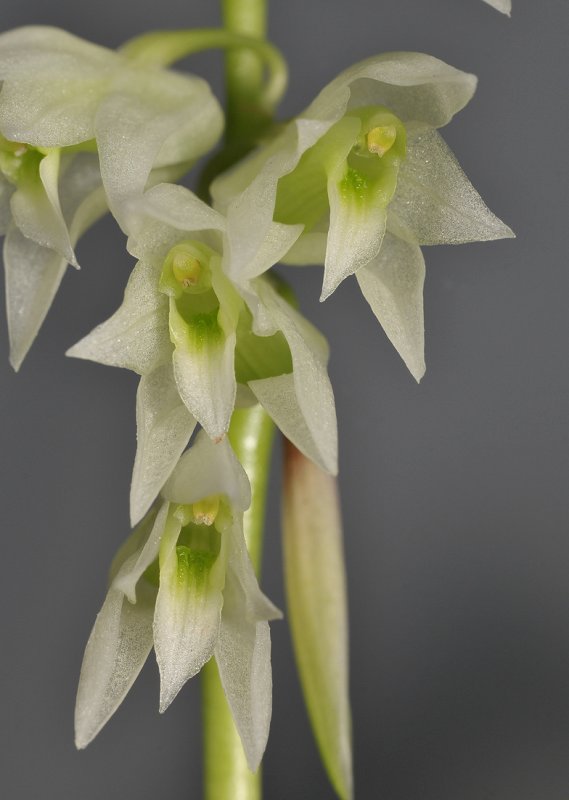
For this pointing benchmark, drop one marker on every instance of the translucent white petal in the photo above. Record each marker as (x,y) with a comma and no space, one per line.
(302,405)
(186,618)
(243,650)
(151,117)
(435,199)
(505,6)
(278,241)
(37,213)
(173,206)
(205,376)
(145,547)
(52,82)
(357,226)
(243,656)
(136,336)
(119,645)
(414,86)
(253,603)
(81,193)
(164,426)
(33,274)
(393,286)
(316,599)
(249,214)
(208,469)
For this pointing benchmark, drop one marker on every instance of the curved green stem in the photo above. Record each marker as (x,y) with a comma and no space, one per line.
(243,69)
(226,774)
(163,48)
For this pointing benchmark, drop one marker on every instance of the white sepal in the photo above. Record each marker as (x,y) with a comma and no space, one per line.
(302,404)
(151,118)
(392,283)
(136,336)
(164,427)
(208,469)
(36,210)
(434,198)
(243,649)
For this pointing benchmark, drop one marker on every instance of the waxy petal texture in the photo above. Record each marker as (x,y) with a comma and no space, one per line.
(392,283)
(186,618)
(136,336)
(33,272)
(164,427)
(435,200)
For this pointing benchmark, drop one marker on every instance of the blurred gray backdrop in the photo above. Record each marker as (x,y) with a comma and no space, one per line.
(454,491)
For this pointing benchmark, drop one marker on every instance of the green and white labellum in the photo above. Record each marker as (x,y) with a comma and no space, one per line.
(346,181)
(190,598)
(204,310)
(359,192)
(34,203)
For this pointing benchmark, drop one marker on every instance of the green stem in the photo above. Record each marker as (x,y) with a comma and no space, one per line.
(163,48)
(243,68)
(226,774)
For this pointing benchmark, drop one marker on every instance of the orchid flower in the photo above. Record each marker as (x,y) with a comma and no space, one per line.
(61,94)
(219,337)
(183,584)
(366,173)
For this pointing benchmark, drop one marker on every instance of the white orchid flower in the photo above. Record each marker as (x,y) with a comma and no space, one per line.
(61,94)
(364,170)
(217,340)
(183,584)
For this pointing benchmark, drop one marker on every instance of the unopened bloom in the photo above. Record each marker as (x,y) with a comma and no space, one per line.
(183,584)
(61,94)
(364,170)
(221,337)
(315,579)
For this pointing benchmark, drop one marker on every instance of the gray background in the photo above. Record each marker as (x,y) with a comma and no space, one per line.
(454,492)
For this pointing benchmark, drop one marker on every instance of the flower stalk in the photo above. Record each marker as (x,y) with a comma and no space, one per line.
(226,774)
(243,68)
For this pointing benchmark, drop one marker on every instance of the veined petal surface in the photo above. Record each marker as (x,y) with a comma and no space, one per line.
(164,426)
(208,469)
(136,336)
(392,283)
(187,615)
(52,83)
(33,272)
(301,404)
(116,651)
(151,118)
(36,209)
(435,200)
(243,650)
(357,227)
(204,371)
